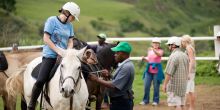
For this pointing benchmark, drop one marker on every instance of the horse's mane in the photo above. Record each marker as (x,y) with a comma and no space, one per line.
(106,57)
(78,44)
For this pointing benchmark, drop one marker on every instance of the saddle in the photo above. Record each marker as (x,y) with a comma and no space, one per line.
(36,70)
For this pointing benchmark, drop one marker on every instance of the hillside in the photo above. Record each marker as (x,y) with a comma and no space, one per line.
(121,18)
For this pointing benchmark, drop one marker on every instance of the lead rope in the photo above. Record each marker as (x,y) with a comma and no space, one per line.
(5,74)
(71,102)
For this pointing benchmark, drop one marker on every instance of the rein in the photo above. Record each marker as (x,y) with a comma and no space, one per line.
(5,74)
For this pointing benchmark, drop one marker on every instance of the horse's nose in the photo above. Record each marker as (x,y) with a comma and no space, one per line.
(62,89)
(72,91)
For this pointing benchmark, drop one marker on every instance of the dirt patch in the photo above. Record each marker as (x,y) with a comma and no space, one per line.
(207,98)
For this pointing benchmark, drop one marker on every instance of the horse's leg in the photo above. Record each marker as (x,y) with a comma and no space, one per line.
(11,102)
(23,104)
(99,101)
(88,106)
(4,98)
(99,96)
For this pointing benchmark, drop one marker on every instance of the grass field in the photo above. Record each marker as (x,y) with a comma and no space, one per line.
(138,88)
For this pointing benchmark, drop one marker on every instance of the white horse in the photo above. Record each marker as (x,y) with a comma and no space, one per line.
(67,89)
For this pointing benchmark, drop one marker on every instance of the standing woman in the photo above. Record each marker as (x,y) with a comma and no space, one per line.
(188,44)
(58,36)
(153,72)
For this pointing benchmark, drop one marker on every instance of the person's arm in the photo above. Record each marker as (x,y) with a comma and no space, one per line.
(48,41)
(158,52)
(145,59)
(70,43)
(191,59)
(107,84)
(167,79)
(169,70)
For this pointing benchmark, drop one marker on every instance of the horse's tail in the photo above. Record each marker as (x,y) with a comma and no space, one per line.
(14,84)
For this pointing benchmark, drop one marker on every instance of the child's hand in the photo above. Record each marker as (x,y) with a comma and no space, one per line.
(164,87)
(144,58)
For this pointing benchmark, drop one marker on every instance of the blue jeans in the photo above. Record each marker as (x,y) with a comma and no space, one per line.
(147,84)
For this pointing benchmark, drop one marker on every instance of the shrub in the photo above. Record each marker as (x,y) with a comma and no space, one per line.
(99,24)
(173,23)
(127,25)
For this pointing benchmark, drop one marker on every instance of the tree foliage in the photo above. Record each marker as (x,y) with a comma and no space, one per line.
(8,5)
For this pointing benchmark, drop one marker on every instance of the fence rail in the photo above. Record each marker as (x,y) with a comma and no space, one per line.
(124,39)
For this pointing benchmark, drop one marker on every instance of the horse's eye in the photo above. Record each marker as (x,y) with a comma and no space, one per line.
(79,67)
(61,65)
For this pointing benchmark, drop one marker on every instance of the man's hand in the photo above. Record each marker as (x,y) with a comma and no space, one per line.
(93,77)
(105,73)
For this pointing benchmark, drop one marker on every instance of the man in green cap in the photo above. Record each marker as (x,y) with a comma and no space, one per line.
(101,43)
(120,88)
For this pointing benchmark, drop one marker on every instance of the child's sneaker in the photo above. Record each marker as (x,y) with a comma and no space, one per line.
(154,103)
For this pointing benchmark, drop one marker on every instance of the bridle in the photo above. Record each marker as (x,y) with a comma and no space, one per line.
(63,79)
(76,83)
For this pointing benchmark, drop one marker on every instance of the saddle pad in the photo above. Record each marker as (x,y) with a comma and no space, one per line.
(36,70)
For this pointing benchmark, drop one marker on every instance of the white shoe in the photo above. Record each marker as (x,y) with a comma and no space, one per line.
(142,103)
(154,103)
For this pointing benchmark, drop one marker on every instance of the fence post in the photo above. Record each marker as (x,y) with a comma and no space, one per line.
(217,43)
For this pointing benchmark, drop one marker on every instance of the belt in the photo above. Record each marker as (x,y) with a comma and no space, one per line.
(123,97)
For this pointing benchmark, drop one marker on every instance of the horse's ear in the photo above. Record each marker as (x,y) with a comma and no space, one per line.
(81,52)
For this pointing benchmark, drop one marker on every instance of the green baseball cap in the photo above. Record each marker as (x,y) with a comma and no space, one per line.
(102,36)
(122,47)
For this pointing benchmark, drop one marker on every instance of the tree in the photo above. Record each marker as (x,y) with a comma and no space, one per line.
(8,5)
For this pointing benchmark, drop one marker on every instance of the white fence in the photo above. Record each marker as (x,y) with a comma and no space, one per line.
(138,39)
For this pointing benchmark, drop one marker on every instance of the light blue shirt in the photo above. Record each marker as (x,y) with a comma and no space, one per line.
(59,35)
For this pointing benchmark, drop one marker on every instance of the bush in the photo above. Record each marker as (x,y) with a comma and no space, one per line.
(127,25)
(206,68)
(8,5)
(99,24)
(173,23)
(164,32)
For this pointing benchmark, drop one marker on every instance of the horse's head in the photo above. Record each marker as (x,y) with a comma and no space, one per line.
(106,57)
(70,72)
